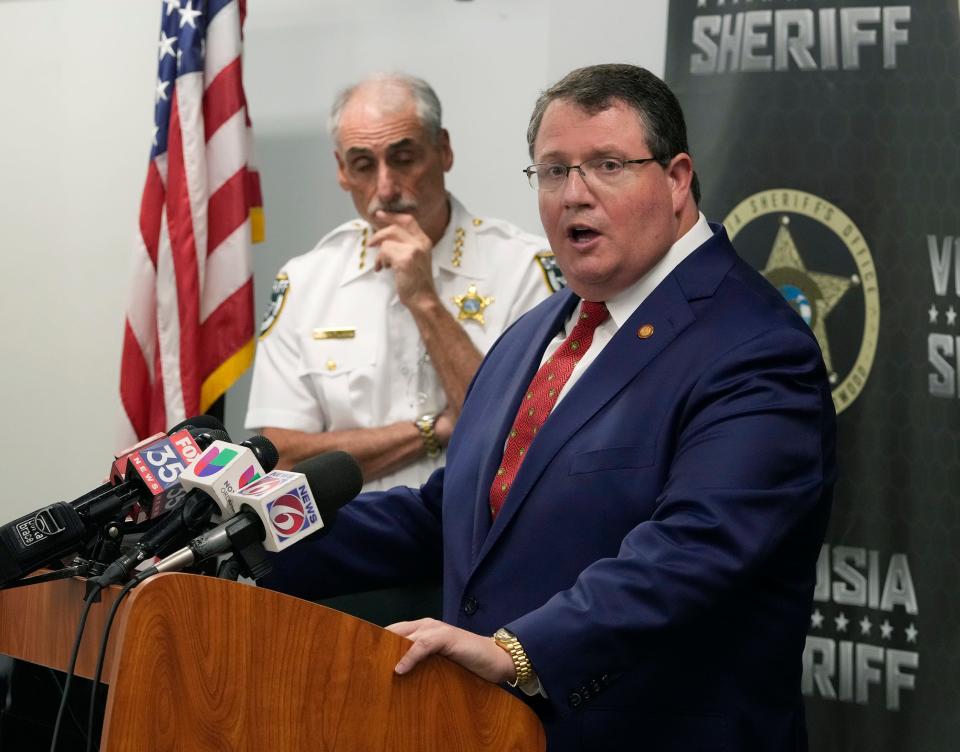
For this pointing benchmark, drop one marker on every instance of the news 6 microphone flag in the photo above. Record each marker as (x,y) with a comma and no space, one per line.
(189,330)
(825,136)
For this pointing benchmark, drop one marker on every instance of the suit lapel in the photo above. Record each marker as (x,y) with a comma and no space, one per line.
(667,310)
(499,414)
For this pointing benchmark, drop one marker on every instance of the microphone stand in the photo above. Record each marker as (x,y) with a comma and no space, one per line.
(79,568)
(230,569)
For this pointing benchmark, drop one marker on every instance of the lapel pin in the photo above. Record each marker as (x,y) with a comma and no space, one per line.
(645,331)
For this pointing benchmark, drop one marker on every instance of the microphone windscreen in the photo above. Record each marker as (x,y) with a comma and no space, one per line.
(264,450)
(206,436)
(334,478)
(198,421)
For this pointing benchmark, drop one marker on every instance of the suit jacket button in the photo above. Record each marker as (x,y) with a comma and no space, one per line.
(470,605)
(575,700)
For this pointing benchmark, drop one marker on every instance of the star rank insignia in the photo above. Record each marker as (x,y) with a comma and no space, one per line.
(472,304)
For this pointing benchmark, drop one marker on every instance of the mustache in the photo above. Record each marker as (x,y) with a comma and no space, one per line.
(394,206)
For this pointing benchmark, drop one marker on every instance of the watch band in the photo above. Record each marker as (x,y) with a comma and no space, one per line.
(425,425)
(509,642)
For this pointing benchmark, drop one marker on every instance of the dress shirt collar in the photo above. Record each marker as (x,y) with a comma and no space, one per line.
(623,304)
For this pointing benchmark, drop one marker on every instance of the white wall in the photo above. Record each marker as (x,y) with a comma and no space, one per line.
(75,123)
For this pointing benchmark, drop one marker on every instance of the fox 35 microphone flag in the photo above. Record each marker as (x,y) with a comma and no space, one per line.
(189,330)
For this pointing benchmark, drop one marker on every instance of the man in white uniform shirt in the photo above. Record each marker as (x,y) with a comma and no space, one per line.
(373,337)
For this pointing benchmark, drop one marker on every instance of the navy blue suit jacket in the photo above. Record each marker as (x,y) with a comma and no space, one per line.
(656,552)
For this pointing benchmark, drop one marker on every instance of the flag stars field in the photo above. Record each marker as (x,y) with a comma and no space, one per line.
(166,45)
(188,15)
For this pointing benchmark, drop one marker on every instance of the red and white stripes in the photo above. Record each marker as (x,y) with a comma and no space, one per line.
(190,322)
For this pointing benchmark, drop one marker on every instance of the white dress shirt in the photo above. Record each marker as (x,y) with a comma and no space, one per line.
(622,305)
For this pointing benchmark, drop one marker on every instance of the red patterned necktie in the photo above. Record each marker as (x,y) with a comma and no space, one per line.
(540,398)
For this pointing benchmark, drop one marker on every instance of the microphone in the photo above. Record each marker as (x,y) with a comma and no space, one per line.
(175,494)
(205,429)
(198,421)
(225,468)
(118,469)
(197,425)
(40,537)
(275,512)
(200,424)
(151,476)
(137,466)
(62,528)
(238,533)
(293,505)
(121,462)
(59,529)
(199,505)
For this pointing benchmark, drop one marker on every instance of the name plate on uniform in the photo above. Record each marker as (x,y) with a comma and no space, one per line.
(346,333)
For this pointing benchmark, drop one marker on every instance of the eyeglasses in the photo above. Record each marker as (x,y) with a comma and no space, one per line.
(548,176)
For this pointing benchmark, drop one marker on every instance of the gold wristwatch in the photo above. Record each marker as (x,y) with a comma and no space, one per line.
(428,435)
(509,642)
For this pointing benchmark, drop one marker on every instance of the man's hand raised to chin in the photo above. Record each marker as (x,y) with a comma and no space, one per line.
(405,248)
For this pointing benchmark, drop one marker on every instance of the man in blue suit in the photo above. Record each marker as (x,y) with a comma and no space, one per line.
(638,486)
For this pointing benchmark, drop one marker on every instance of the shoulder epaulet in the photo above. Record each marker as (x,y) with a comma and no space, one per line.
(483,225)
(353,227)
(551,270)
(295,267)
(492,225)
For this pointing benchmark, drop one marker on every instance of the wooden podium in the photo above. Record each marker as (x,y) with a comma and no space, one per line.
(196,663)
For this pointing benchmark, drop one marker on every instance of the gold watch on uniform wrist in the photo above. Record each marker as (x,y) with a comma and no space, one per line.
(425,425)
(509,642)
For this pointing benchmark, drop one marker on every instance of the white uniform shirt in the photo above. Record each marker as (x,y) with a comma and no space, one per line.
(340,351)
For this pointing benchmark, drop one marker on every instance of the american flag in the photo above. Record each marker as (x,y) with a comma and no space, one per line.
(189,330)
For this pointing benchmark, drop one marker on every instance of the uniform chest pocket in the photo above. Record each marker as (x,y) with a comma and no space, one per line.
(344,373)
(613,458)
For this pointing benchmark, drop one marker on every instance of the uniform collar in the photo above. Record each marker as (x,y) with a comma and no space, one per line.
(361,259)
(457,251)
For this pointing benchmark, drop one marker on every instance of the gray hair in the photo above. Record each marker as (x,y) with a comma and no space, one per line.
(596,87)
(424,97)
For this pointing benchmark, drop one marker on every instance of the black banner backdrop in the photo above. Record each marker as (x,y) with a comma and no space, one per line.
(826,138)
